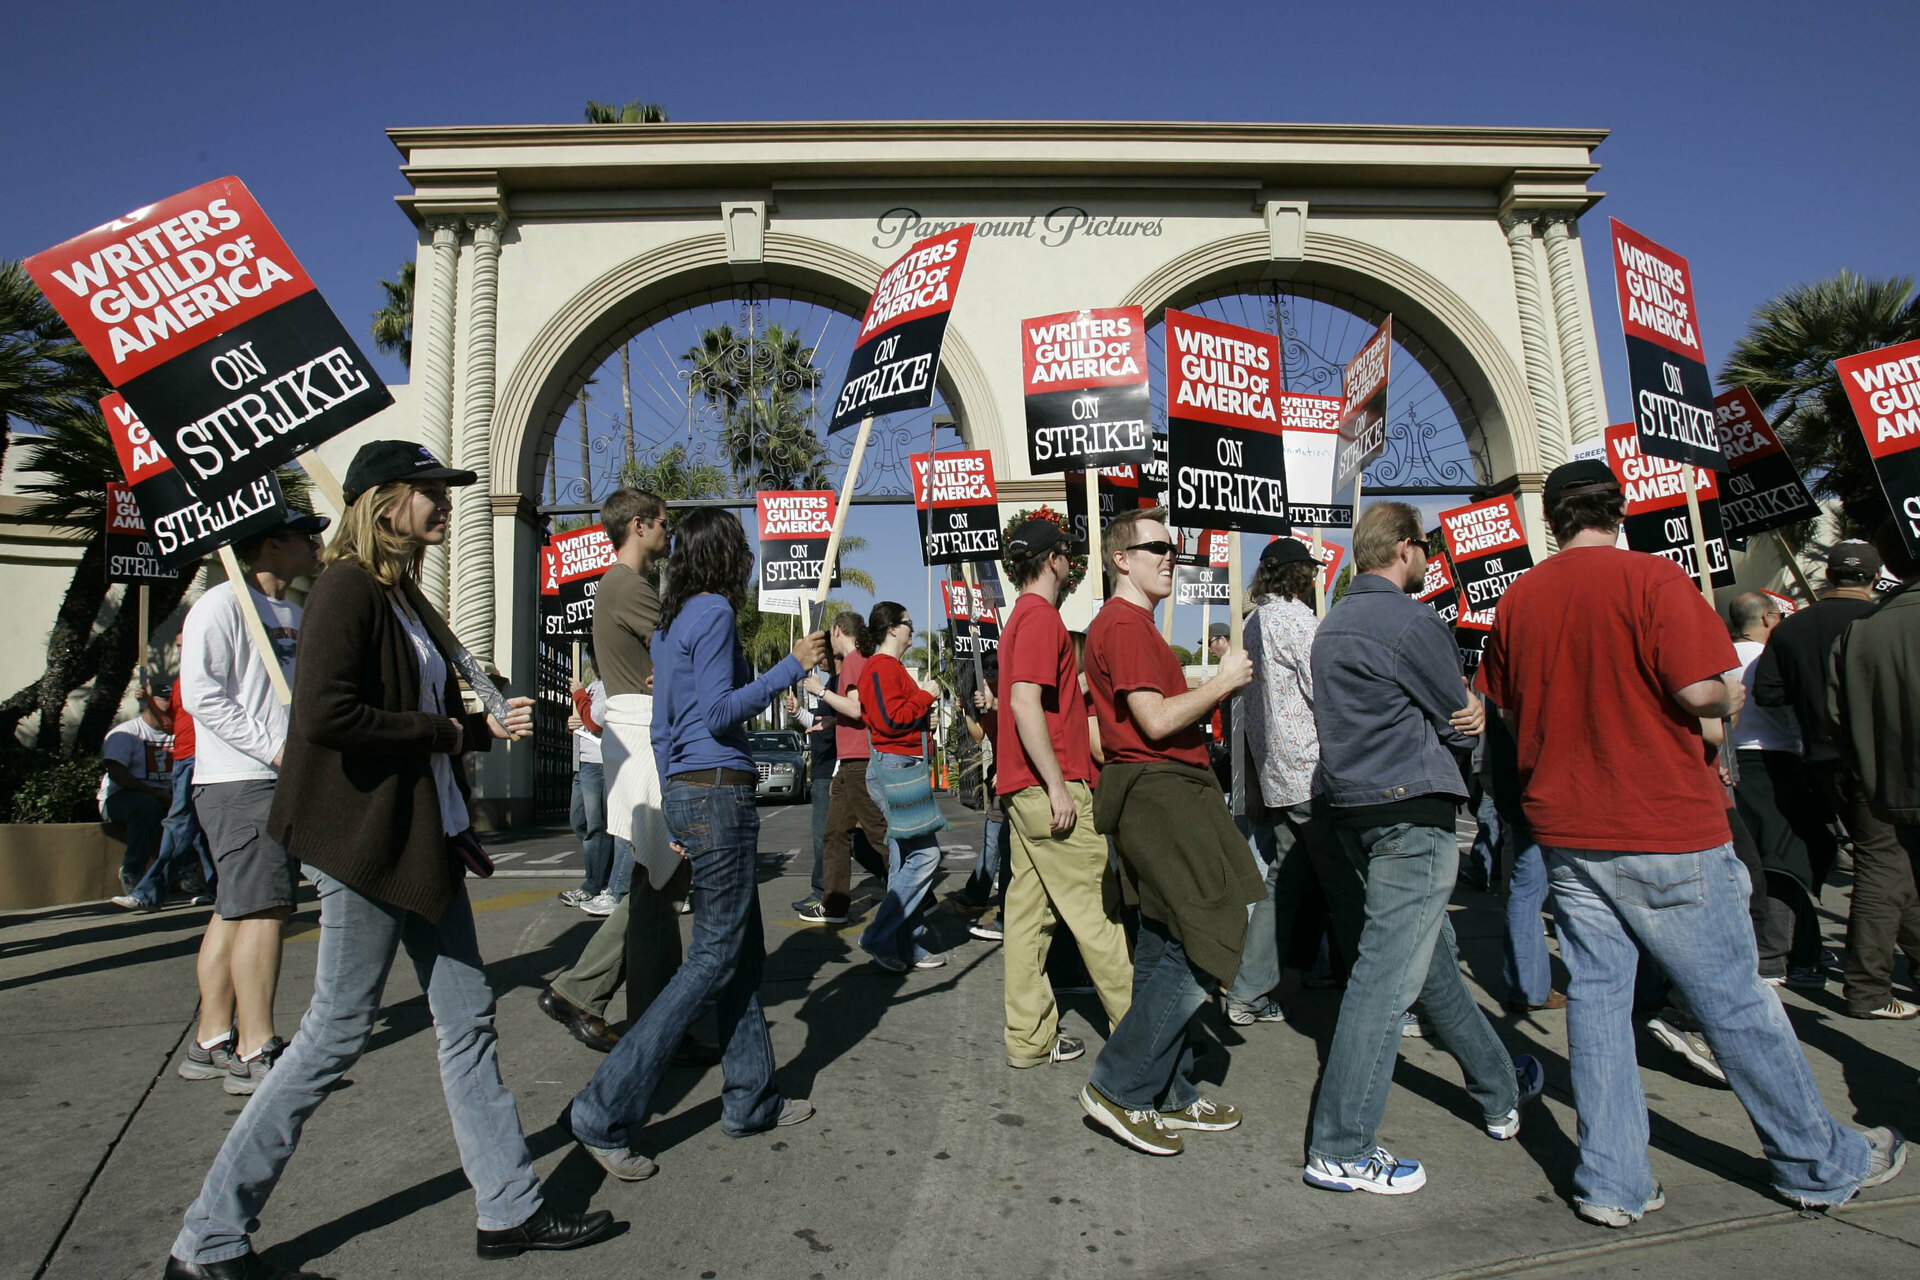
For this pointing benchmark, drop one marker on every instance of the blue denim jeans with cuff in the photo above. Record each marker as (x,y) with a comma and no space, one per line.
(1524,959)
(1407,952)
(587,815)
(899,924)
(720,830)
(358,940)
(1147,1064)
(1689,912)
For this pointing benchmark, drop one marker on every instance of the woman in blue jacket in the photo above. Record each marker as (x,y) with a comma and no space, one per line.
(703,690)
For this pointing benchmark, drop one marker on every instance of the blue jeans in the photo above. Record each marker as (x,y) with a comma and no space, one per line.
(179,833)
(1282,850)
(588,816)
(1483,859)
(1147,1064)
(1689,912)
(992,869)
(1406,952)
(358,939)
(1525,962)
(720,830)
(896,928)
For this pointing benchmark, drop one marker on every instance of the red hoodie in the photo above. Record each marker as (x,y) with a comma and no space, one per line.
(893,706)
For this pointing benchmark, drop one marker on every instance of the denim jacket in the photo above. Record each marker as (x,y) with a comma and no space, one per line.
(1386,675)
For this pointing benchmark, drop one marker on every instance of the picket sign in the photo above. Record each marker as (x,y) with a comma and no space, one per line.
(1236,593)
(817,615)
(979,663)
(1096,580)
(1320,579)
(256,630)
(1793,563)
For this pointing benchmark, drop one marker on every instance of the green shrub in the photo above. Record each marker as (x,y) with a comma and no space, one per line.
(62,791)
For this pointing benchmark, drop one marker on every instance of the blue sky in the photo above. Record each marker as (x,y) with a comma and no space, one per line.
(1771,143)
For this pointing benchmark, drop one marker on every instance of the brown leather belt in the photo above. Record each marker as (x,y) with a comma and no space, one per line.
(718,777)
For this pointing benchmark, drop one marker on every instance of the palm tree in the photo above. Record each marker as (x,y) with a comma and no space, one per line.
(673,478)
(760,385)
(45,375)
(635,112)
(393,322)
(1786,359)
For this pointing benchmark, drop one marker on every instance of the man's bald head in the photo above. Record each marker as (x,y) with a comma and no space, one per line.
(1753,615)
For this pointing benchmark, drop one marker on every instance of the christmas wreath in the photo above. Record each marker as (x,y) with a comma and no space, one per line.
(1025,514)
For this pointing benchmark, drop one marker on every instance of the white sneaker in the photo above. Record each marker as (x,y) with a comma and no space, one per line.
(1379,1173)
(575,897)
(601,904)
(1690,1045)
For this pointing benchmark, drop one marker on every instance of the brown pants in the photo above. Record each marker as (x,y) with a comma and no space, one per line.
(1885,913)
(850,809)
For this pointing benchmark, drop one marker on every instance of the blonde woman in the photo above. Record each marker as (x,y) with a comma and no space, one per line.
(370,797)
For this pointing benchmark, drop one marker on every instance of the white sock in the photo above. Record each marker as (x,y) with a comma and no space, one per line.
(249,1057)
(216,1041)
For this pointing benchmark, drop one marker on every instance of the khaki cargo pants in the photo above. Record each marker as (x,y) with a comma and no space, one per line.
(1058,878)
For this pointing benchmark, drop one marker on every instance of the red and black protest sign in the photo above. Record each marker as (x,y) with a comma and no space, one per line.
(1363,410)
(1200,567)
(1086,387)
(794,528)
(181,527)
(579,558)
(1666,367)
(201,317)
(1488,547)
(1310,434)
(1657,523)
(957,505)
(1439,591)
(1764,489)
(1153,473)
(1226,456)
(898,353)
(553,614)
(1119,491)
(1884,388)
(131,554)
(972,626)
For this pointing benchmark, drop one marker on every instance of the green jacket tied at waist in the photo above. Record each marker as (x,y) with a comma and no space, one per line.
(1185,864)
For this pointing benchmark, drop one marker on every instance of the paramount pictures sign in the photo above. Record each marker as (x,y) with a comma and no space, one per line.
(1057,227)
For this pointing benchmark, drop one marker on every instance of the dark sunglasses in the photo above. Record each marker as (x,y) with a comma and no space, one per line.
(1153,548)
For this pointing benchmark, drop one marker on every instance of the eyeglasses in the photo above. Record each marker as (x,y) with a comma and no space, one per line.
(1153,548)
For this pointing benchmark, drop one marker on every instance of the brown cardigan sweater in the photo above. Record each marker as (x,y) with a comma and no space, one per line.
(355,795)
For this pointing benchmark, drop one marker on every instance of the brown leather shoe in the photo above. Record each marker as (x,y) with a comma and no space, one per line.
(1555,1000)
(585,1027)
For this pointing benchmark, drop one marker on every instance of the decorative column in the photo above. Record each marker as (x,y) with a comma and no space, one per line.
(473,576)
(1583,418)
(1550,432)
(436,376)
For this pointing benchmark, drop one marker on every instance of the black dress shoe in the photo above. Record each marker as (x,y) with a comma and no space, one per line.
(696,1053)
(585,1027)
(250,1266)
(547,1229)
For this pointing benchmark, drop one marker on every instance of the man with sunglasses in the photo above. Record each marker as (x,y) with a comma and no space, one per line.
(1185,863)
(1045,771)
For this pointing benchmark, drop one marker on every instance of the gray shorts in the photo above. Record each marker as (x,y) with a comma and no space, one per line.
(255,873)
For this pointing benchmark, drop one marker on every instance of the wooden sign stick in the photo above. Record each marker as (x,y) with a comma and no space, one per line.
(979,663)
(1206,627)
(256,630)
(1793,563)
(324,480)
(1096,573)
(816,615)
(1319,577)
(576,662)
(1705,573)
(145,624)
(1236,592)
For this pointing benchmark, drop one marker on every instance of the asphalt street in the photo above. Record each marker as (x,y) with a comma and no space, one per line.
(928,1156)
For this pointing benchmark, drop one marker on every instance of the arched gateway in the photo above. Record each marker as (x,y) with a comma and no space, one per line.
(545,249)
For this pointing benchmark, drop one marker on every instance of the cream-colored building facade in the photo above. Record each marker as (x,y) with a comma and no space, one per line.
(541,246)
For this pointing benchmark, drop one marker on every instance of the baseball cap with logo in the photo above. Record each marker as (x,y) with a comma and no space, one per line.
(1037,536)
(380,461)
(1853,563)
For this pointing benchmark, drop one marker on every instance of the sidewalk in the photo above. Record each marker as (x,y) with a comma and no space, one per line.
(928,1156)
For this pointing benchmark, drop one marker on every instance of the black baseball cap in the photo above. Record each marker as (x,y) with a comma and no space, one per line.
(1219,631)
(1853,561)
(1577,477)
(380,461)
(1286,551)
(1037,537)
(298,522)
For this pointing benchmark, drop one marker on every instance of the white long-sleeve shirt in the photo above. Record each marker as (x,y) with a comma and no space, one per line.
(239,723)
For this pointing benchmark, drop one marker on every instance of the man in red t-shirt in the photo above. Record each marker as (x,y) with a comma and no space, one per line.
(850,809)
(1044,771)
(1187,865)
(1605,662)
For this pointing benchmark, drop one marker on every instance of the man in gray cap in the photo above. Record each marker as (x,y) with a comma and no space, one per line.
(1885,911)
(1605,661)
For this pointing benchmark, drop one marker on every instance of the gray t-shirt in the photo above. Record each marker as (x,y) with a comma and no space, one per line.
(626,609)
